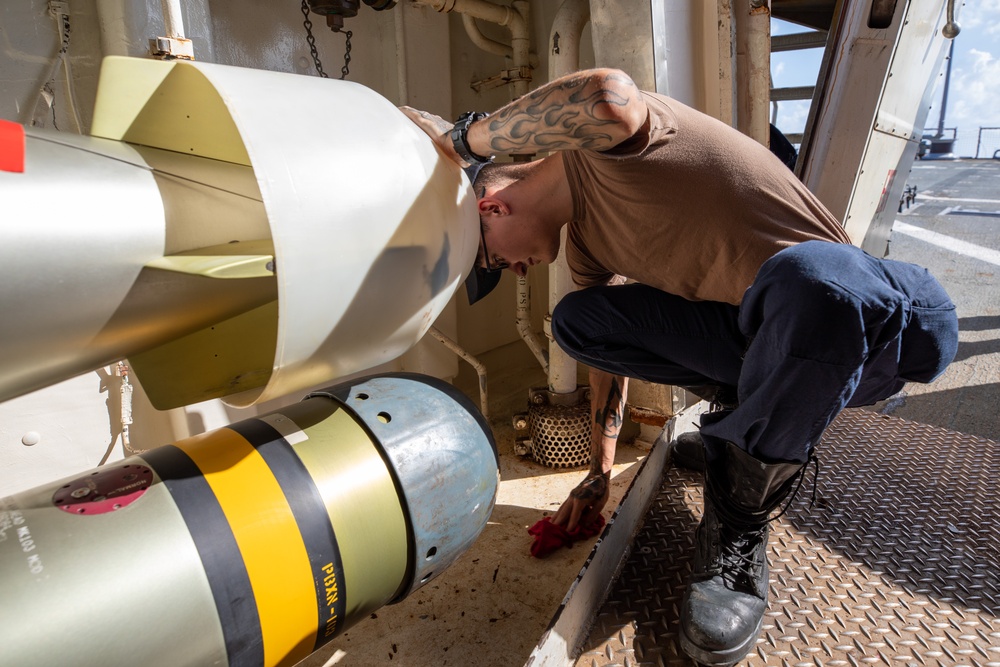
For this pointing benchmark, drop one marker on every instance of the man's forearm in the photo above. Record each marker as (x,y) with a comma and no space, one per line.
(595,109)
(608,395)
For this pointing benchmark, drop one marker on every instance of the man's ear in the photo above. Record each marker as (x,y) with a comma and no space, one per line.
(493,207)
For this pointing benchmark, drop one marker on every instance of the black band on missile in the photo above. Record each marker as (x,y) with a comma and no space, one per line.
(220,555)
(310,514)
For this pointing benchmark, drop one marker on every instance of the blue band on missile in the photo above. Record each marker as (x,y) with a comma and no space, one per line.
(310,514)
(220,555)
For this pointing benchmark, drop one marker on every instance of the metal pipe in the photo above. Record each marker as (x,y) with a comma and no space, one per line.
(753,35)
(173,20)
(519,54)
(564,58)
(481,40)
(520,45)
(951,28)
(481,9)
(514,18)
(944,93)
(490,45)
(523,324)
(479,367)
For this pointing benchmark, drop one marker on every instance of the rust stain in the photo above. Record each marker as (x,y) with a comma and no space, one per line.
(647,416)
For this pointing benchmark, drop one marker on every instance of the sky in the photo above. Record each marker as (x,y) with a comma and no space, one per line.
(973,93)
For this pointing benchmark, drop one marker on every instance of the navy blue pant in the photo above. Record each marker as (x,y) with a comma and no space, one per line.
(824,326)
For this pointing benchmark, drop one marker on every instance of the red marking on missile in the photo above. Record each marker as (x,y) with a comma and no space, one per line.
(11,146)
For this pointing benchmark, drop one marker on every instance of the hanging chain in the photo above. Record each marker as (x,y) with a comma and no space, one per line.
(347,55)
(311,40)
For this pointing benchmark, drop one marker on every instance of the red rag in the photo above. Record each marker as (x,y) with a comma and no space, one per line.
(550,536)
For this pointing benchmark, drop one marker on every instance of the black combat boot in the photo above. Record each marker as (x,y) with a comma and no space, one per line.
(687,450)
(724,604)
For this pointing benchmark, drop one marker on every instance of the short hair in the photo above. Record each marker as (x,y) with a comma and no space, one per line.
(486,177)
(495,175)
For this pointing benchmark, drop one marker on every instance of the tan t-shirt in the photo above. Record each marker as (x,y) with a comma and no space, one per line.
(688,205)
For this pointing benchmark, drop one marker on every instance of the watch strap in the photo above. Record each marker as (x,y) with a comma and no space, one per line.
(460,137)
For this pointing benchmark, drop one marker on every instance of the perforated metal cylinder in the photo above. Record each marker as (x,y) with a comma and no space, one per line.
(560,434)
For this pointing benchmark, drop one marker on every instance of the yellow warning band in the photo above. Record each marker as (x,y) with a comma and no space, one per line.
(268,538)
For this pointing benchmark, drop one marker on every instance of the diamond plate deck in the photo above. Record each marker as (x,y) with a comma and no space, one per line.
(896,563)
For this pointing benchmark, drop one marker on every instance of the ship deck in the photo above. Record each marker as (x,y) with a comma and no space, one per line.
(895,563)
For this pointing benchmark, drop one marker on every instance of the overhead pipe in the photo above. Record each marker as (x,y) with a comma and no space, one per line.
(173,20)
(481,40)
(126,30)
(173,44)
(514,18)
(489,45)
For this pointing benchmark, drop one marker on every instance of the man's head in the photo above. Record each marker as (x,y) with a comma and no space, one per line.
(511,234)
(482,279)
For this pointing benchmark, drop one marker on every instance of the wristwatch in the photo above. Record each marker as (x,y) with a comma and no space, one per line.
(460,137)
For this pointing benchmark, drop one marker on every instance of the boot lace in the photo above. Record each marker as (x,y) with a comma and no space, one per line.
(741,555)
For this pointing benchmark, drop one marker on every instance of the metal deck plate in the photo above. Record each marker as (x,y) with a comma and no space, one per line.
(897,563)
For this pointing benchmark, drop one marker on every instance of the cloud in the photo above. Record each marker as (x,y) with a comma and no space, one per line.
(984,14)
(792,116)
(975,89)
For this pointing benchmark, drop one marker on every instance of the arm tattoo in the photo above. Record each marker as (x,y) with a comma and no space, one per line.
(592,488)
(609,418)
(441,124)
(565,116)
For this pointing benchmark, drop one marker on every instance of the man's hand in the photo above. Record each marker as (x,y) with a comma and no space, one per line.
(585,502)
(608,394)
(436,128)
